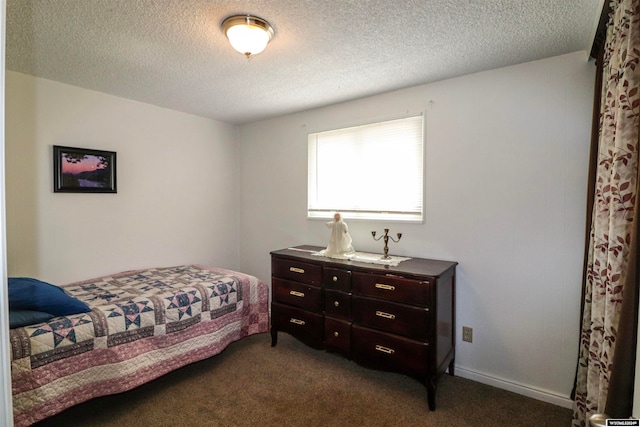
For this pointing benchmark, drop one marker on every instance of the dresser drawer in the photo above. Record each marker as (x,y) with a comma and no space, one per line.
(337,336)
(337,278)
(297,294)
(337,304)
(307,327)
(393,317)
(392,288)
(297,270)
(381,350)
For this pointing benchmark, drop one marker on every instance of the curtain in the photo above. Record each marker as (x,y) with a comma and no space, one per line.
(604,380)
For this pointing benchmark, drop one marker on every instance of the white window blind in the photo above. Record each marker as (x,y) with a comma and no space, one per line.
(373,171)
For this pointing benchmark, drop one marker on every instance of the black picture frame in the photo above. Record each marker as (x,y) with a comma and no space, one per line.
(83,170)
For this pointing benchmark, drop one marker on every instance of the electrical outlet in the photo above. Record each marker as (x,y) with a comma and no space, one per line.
(467,334)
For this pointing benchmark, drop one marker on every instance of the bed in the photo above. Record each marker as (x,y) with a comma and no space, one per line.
(139,326)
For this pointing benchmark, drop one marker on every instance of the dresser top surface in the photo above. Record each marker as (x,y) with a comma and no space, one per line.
(416,266)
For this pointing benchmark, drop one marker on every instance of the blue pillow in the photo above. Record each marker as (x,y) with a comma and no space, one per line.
(31,294)
(19,318)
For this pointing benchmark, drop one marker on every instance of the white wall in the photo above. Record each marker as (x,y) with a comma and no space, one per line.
(177,185)
(506,179)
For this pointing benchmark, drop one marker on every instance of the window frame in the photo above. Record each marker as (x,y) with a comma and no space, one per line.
(324,213)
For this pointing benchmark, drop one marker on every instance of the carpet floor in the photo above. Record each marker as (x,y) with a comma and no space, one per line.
(251,384)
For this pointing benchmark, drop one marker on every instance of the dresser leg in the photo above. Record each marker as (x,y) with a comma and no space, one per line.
(431,393)
(451,368)
(274,336)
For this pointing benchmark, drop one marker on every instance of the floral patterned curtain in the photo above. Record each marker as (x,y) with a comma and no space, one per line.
(611,259)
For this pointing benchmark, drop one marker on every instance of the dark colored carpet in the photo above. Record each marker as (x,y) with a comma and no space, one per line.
(251,383)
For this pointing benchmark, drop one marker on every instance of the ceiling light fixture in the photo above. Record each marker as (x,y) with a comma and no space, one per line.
(247,34)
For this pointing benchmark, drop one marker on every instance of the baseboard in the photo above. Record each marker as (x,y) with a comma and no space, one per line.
(534,393)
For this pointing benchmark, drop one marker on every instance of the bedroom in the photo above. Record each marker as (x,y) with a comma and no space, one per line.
(506,166)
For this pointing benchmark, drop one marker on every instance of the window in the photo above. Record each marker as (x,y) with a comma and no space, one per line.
(373,171)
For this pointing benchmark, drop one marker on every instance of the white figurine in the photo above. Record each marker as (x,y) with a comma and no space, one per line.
(340,239)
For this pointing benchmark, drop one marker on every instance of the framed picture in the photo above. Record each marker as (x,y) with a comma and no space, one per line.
(82,170)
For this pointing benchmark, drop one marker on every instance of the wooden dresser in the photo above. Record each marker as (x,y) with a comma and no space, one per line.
(398,319)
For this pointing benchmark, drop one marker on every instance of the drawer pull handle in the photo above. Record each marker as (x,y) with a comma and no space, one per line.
(297,321)
(385,315)
(336,303)
(384,349)
(296,270)
(335,334)
(296,294)
(335,278)
(385,287)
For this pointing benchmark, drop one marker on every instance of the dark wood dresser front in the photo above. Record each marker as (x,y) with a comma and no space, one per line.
(399,319)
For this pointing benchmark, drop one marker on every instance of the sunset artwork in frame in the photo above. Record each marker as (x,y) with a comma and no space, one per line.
(83,170)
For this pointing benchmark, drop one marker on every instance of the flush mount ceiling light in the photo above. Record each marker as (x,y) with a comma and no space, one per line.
(247,34)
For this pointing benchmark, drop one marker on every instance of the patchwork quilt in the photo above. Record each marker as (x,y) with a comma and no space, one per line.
(142,324)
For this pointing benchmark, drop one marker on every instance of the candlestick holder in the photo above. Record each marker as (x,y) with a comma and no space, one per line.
(386,238)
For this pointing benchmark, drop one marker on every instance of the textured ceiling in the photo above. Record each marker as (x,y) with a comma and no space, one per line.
(172,53)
